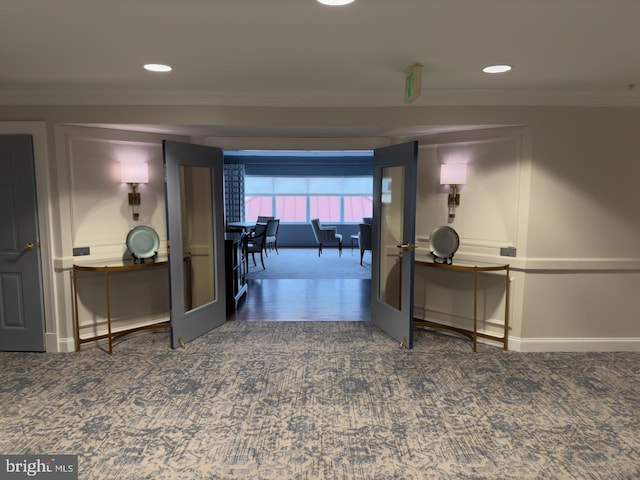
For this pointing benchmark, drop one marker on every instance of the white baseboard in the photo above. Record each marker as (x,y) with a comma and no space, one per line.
(574,344)
(516,344)
(62,345)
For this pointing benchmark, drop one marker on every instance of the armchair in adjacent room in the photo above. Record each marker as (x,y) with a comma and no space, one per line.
(364,239)
(272,235)
(326,234)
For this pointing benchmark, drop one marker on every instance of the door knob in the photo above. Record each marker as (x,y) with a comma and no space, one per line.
(407,247)
(28,246)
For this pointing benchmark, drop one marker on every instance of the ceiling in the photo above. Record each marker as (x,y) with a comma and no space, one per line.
(300,53)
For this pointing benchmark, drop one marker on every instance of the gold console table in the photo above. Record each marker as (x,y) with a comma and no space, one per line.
(475,268)
(114,267)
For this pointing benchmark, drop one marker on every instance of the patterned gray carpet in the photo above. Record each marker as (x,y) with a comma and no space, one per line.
(293,263)
(324,400)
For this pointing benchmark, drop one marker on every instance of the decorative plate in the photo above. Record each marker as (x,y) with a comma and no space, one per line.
(443,243)
(143,242)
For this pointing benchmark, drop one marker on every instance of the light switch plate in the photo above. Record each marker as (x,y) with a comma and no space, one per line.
(508,251)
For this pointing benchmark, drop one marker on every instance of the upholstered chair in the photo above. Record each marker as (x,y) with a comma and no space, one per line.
(272,235)
(326,234)
(364,239)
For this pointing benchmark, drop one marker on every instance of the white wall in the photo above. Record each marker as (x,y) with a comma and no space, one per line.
(493,204)
(93,211)
(493,211)
(100,215)
(573,219)
(573,215)
(583,255)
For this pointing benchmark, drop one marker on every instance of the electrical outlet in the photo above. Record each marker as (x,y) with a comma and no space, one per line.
(81,251)
(508,252)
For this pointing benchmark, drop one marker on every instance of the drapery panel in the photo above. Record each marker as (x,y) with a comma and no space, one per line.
(234,192)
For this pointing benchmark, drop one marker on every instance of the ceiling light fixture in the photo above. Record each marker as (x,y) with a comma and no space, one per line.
(496,68)
(335,2)
(157,67)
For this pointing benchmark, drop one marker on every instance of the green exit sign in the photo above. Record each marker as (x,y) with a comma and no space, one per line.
(413,83)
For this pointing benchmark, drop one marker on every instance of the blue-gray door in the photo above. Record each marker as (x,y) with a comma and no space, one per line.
(21,304)
(195,229)
(394,217)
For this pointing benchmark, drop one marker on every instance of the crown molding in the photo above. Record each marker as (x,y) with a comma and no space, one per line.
(360,98)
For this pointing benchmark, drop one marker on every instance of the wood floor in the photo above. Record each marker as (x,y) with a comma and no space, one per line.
(280,300)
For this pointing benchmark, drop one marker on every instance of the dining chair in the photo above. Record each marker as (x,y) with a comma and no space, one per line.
(364,239)
(256,243)
(272,235)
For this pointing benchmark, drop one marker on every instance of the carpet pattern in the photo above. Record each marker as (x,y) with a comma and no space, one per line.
(323,400)
(294,263)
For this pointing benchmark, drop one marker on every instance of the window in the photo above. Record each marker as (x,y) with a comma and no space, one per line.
(292,208)
(299,199)
(258,205)
(328,209)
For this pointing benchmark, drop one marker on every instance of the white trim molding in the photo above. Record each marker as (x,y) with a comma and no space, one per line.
(61,345)
(631,344)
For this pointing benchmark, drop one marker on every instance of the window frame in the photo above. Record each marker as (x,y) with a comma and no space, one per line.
(273,195)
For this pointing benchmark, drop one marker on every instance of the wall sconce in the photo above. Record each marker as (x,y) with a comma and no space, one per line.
(453,174)
(134,174)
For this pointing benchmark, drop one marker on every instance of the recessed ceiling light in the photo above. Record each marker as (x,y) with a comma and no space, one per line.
(336,2)
(157,67)
(496,68)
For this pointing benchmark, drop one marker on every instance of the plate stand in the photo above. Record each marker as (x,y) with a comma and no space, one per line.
(443,260)
(152,258)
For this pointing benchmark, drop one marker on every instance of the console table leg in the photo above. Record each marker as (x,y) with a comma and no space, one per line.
(506,310)
(75,304)
(475,309)
(106,288)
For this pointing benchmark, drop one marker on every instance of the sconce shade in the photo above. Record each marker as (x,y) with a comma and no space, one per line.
(135,172)
(453,174)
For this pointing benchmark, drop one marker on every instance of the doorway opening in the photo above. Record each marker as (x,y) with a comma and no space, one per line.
(292,280)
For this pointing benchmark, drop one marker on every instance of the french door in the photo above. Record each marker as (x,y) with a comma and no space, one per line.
(195,229)
(394,214)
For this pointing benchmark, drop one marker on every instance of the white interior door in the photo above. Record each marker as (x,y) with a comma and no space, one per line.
(394,213)
(195,228)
